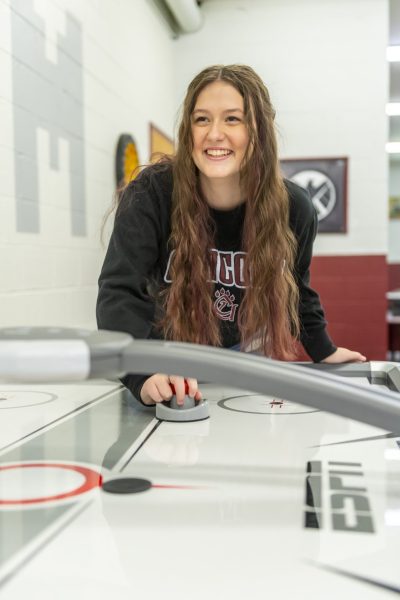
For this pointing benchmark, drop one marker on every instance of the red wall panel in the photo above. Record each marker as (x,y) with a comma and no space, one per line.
(352,291)
(394,284)
(394,276)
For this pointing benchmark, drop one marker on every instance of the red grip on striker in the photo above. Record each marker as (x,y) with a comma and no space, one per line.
(186,387)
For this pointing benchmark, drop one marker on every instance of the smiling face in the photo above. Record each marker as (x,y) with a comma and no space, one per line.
(219,131)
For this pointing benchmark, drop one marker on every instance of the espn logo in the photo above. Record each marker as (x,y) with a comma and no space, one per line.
(346,504)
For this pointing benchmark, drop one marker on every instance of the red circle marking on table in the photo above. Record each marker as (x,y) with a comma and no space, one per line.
(93,479)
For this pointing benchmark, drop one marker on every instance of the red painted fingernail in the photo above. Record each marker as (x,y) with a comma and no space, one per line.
(186,387)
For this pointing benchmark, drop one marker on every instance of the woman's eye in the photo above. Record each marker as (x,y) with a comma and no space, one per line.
(232,119)
(200,119)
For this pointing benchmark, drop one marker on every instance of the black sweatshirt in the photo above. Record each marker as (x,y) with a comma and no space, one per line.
(136,266)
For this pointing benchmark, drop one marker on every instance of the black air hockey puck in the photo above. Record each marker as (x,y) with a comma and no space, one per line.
(126,485)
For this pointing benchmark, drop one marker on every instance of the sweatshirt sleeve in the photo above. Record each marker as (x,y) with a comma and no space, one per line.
(313,334)
(124,303)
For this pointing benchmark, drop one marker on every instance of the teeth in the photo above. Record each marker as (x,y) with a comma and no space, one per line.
(218,152)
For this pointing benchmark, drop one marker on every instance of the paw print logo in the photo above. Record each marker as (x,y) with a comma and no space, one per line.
(224,305)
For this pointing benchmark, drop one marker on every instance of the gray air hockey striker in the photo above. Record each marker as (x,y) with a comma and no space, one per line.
(63,355)
(190,410)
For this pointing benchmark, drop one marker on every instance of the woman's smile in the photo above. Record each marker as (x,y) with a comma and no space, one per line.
(218,153)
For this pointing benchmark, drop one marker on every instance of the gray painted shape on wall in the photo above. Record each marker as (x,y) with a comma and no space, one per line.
(49,96)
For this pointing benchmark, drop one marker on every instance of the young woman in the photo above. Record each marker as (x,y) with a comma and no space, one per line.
(214,246)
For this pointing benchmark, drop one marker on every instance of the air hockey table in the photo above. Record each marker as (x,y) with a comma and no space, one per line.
(268,497)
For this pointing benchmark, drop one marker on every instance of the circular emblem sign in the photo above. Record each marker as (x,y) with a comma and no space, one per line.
(321,189)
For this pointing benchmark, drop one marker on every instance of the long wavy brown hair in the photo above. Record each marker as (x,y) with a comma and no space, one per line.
(268,315)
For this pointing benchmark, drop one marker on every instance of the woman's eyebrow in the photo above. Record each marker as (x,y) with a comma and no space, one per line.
(228,110)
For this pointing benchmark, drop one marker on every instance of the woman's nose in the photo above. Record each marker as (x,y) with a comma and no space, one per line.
(216,131)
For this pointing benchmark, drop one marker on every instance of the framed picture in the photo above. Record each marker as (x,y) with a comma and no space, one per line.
(326,181)
(160,143)
(394,207)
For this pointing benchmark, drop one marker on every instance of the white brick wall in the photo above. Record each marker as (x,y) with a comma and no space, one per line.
(51,277)
(324,63)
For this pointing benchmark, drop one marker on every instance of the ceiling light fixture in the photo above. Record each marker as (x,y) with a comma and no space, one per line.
(393,147)
(393,53)
(393,109)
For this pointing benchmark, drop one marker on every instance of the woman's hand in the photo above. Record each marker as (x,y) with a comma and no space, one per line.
(343,355)
(157,389)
